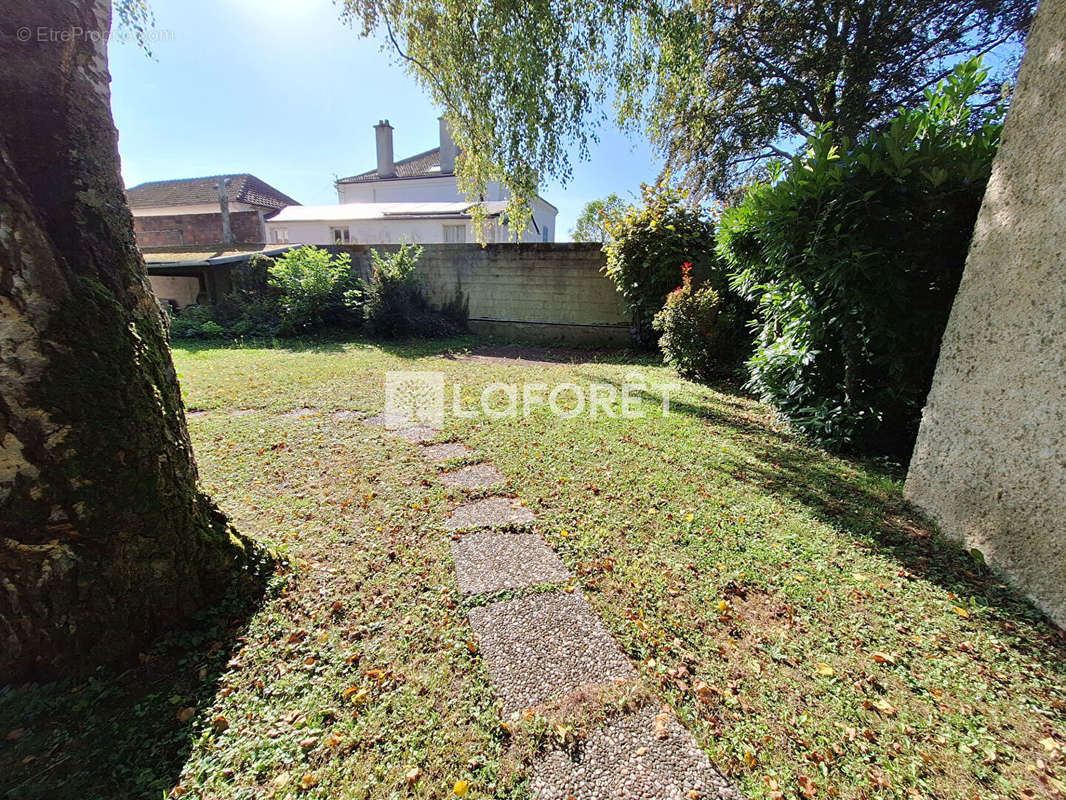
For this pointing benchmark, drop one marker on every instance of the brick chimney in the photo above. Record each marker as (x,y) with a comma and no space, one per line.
(386,165)
(448,151)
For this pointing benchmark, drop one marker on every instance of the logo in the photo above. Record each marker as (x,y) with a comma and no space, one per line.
(414,398)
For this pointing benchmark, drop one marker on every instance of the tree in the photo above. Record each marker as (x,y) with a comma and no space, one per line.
(105,537)
(592,222)
(718,87)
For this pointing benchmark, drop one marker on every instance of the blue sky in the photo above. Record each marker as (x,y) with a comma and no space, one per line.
(283,90)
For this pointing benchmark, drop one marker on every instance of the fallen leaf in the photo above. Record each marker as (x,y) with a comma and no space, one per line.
(883,658)
(308,780)
(413,775)
(186,714)
(962,612)
(825,669)
(15,734)
(282,779)
(461,788)
(807,786)
(660,723)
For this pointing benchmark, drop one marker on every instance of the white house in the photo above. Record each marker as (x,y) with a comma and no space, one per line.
(415,199)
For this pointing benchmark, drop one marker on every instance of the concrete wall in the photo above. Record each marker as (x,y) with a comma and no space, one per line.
(540,292)
(181,289)
(990,461)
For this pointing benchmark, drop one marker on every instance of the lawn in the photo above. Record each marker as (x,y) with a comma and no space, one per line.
(816,636)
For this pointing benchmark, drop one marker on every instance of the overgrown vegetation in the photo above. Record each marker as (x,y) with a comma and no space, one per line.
(395,306)
(315,289)
(816,637)
(854,254)
(700,338)
(308,290)
(648,245)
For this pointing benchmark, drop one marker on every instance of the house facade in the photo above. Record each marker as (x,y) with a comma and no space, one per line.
(415,199)
(220,209)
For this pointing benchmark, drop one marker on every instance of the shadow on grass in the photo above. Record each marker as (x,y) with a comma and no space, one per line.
(862,498)
(125,734)
(466,347)
(401,348)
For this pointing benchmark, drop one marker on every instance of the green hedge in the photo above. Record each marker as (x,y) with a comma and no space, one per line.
(853,254)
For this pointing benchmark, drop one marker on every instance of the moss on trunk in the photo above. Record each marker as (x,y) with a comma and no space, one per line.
(105,536)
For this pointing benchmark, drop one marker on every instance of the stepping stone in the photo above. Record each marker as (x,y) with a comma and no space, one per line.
(445,452)
(195,413)
(387,420)
(416,433)
(491,512)
(242,412)
(344,416)
(299,413)
(487,561)
(476,476)
(647,754)
(544,646)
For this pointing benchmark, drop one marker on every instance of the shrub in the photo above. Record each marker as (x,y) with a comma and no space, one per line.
(394,305)
(251,278)
(854,253)
(699,338)
(647,247)
(314,288)
(188,323)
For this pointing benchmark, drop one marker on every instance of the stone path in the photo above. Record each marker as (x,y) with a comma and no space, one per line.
(545,646)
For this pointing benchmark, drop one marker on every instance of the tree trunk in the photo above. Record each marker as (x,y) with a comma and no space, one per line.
(105,537)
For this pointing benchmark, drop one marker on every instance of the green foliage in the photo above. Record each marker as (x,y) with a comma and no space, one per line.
(251,278)
(649,245)
(315,287)
(188,323)
(591,223)
(699,339)
(853,254)
(716,86)
(394,305)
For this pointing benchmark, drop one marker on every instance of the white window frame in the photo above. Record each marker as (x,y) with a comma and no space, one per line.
(280,235)
(454,234)
(340,234)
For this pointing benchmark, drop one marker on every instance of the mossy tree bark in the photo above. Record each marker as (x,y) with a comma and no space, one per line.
(105,537)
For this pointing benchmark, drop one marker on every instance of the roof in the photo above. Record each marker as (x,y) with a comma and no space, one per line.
(185,257)
(423,165)
(243,188)
(409,210)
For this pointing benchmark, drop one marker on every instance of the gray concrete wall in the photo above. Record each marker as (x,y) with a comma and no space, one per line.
(543,292)
(990,461)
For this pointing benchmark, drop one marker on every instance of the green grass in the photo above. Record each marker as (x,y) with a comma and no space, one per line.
(817,637)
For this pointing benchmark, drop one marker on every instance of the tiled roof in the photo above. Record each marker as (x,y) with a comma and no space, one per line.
(243,188)
(424,165)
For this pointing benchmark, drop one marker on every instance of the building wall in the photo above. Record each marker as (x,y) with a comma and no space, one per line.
(391,231)
(161,230)
(444,188)
(545,292)
(181,289)
(990,461)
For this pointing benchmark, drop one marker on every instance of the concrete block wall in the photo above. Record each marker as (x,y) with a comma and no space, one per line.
(552,292)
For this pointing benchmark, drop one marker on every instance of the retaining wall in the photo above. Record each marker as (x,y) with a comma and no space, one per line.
(553,292)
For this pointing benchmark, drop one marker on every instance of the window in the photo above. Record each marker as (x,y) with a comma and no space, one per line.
(340,235)
(280,235)
(455,234)
(545,234)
